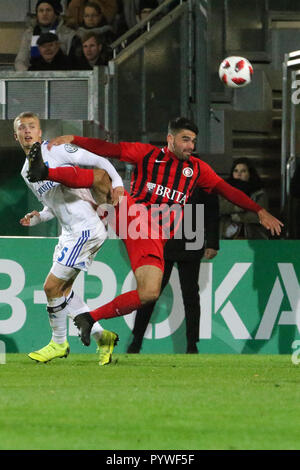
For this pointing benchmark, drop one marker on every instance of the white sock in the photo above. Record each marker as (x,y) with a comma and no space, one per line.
(57,313)
(76,306)
(96,331)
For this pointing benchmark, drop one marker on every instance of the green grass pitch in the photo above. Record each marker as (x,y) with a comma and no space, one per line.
(161,402)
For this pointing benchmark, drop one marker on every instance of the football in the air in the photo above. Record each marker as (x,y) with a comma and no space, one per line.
(235,72)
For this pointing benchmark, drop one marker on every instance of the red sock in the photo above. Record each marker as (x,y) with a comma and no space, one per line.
(72,176)
(121,305)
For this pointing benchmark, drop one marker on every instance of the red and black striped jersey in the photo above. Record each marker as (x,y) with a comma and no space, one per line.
(160,177)
(163,183)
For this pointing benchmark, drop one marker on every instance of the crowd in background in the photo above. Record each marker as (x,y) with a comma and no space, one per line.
(77,34)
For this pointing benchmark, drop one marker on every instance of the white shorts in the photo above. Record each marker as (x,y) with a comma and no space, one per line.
(76,252)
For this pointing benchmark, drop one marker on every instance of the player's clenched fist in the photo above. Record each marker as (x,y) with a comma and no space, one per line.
(29,218)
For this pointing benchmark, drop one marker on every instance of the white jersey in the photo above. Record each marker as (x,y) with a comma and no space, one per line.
(73,208)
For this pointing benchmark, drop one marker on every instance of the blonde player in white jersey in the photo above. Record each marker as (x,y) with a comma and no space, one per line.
(82,235)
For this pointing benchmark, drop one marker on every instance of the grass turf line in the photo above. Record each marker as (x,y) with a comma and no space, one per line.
(148,402)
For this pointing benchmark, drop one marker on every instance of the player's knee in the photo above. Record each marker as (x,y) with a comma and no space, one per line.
(52,290)
(148,294)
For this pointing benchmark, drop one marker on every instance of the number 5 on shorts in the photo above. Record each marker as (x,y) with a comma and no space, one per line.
(62,255)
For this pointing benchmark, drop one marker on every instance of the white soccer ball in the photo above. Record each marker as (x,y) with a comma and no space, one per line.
(235,72)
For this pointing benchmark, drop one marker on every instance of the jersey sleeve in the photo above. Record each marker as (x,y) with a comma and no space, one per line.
(236,196)
(72,155)
(210,181)
(98,146)
(208,177)
(46,214)
(133,152)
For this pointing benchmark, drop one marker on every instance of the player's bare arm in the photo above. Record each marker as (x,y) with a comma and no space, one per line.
(101,189)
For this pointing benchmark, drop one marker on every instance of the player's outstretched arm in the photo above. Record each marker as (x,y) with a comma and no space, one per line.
(270,222)
(35,217)
(63,139)
(240,199)
(94,145)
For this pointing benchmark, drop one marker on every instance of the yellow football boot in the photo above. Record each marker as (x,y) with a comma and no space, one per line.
(51,351)
(106,346)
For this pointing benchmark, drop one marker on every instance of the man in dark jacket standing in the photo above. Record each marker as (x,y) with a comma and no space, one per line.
(188,263)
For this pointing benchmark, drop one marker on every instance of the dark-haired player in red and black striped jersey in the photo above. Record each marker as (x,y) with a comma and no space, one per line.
(164,176)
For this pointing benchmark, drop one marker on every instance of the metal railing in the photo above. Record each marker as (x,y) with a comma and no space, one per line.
(149,79)
(290,82)
(141,26)
(290,65)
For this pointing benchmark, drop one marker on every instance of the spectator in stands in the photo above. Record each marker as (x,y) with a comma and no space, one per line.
(75,8)
(145,8)
(136,10)
(94,52)
(47,20)
(235,222)
(93,21)
(51,56)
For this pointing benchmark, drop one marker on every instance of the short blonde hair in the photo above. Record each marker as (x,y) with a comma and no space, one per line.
(25,114)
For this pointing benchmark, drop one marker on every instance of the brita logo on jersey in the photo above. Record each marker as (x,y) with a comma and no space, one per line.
(171,194)
(46,187)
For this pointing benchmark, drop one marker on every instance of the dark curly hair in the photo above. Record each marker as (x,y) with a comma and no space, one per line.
(178,124)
